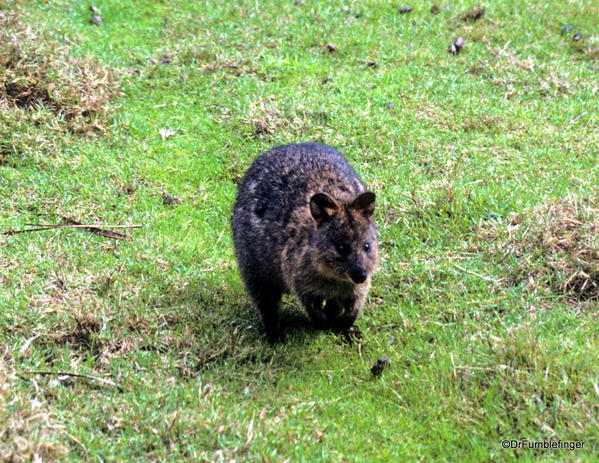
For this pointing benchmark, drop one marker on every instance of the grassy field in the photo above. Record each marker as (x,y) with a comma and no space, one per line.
(485,169)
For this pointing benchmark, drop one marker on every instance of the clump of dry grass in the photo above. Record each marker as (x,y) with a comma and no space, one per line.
(556,245)
(26,423)
(265,117)
(39,74)
(436,199)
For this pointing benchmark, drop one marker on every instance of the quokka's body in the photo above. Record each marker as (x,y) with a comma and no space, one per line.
(302,223)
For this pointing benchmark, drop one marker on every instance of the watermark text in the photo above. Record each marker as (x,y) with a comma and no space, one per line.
(541,444)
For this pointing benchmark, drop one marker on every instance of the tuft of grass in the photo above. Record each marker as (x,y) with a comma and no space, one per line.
(25,425)
(553,246)
(43,85)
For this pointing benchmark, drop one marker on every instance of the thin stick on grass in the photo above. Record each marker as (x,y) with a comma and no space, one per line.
(578,117)
(98,229)
(78,442)
(490,280)
(75,375)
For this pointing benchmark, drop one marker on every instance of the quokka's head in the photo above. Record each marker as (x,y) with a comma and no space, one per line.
(345,240)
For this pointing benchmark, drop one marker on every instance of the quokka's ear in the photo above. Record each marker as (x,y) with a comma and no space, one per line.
(322,207)
(364,203)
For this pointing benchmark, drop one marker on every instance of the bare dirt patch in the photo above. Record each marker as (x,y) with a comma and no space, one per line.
(556,247)
(80,333)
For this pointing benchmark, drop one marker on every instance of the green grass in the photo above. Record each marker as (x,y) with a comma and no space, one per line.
(478,352)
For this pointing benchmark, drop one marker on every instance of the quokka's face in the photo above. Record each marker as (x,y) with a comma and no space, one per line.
(346,238)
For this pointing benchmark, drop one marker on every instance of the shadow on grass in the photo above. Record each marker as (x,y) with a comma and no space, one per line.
(222,328)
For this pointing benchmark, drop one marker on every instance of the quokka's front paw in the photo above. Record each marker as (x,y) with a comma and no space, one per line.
(276,336)
(343,324)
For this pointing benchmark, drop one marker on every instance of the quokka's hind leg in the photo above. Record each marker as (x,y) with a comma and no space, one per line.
(267,300)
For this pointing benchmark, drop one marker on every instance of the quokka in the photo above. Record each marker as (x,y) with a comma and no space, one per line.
(302,224)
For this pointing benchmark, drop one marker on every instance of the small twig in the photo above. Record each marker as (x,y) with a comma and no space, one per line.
(468,367)
(75,375)
(578,117)
(77,441)
(452,364)
(97,229)
(491,280)
(28,343)
(164,105)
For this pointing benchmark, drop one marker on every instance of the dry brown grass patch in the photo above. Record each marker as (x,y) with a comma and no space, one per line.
(265,117)
(27,426)
(482,123)
(556,245)
(4,269)
(37,73)
(436,199)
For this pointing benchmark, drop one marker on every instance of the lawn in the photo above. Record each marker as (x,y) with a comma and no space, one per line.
(485,168)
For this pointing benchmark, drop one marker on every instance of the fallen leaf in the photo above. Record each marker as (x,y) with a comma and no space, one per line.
(166,133)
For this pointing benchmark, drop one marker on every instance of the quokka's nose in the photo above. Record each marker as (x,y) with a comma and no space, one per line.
(358,275)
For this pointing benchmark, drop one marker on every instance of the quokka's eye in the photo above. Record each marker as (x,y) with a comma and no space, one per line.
(343,249)
(366,247)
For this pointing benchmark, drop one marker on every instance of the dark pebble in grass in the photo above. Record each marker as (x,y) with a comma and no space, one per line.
(453,49)
(372,64)
(459,43)
(474,14)
(299,2)
(166,59)
(390,105)
(330,47)
(95,19)
(577,37)
(566,28)
(168,200)
(405,10)
(380,365)
(435,9)
(326,80)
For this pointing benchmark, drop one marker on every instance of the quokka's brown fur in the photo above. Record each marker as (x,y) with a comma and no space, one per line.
(302,223)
